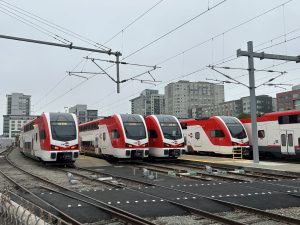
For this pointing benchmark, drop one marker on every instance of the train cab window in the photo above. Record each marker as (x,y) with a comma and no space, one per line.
(104,136)
(217,133)
(261,134)
(197,135)
(152,134)
(290,140)
(42,134)
(115,134)
(283,140)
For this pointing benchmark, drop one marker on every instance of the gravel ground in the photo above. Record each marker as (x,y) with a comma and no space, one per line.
(183,220)
(290,212)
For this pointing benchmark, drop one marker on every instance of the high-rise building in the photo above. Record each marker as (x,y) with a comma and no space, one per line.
(18,113)
(289,100)
(84,114)
(149,102)
(182,96)
(18,104)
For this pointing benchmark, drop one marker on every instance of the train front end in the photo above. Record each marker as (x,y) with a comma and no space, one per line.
(165,136)
(62,139)
(237,132)
(135,136)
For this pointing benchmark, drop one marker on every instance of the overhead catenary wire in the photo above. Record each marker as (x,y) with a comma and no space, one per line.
(134,21)
(51,24)
(36,27)
(174,29)
(222,33)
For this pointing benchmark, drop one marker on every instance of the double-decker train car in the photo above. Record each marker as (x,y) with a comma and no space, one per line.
(278,134)
(214,135)
(122,136)
(52,137)
(165,136)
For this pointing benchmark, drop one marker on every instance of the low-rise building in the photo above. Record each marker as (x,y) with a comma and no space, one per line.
(84,115)
(289,100)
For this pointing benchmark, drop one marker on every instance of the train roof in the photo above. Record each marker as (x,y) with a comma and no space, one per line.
(272,116)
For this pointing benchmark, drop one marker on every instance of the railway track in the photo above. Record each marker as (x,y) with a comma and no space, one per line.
(242,212)
(250,172)
(34,182)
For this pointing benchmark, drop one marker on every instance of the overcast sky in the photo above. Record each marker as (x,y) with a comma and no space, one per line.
(40,71)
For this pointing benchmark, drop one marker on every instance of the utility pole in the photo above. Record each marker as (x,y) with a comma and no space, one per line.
(118,71)
(251,55)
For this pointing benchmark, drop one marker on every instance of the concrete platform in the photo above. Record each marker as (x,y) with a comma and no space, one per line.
(87,161)
(277,166)
(2,150)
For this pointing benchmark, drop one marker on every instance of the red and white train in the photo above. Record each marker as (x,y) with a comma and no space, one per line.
(122,136)
(214,135)
(165,136)
(52,137)
(278,134)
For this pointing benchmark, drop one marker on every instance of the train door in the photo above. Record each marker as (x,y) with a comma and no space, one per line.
(287,142)
(193,137)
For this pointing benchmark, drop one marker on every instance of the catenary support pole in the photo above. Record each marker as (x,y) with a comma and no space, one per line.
(118,71)
(253,103)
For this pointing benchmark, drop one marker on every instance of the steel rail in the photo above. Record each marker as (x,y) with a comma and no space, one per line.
(241,207)
(227,170)
(121,214)
(185,207)
(203,174)
(268,172)
(72,220)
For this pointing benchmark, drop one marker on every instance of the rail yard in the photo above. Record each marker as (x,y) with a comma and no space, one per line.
(163,192)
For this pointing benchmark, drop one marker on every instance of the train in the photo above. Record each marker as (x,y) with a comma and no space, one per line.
(51,137)
(120,136)
(165,136)
(214,135)
(278,134)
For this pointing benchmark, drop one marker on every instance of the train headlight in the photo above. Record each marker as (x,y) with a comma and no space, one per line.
(54,147)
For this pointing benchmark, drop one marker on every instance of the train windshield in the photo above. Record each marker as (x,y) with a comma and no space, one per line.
(235,127)
(63,127)
(170,127)
(134,126)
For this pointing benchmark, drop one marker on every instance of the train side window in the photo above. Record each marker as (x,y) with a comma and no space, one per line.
(261,134)
(217,133)
(183,126)
(290,140)
(152,134)
(283,140)
(104,136)
(42,134)
(115,134)
(197,135)
(298,141)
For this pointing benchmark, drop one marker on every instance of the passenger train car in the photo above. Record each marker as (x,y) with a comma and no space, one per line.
(52,137)
(214,135)
(122,136)
(278,134)
(165,136)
